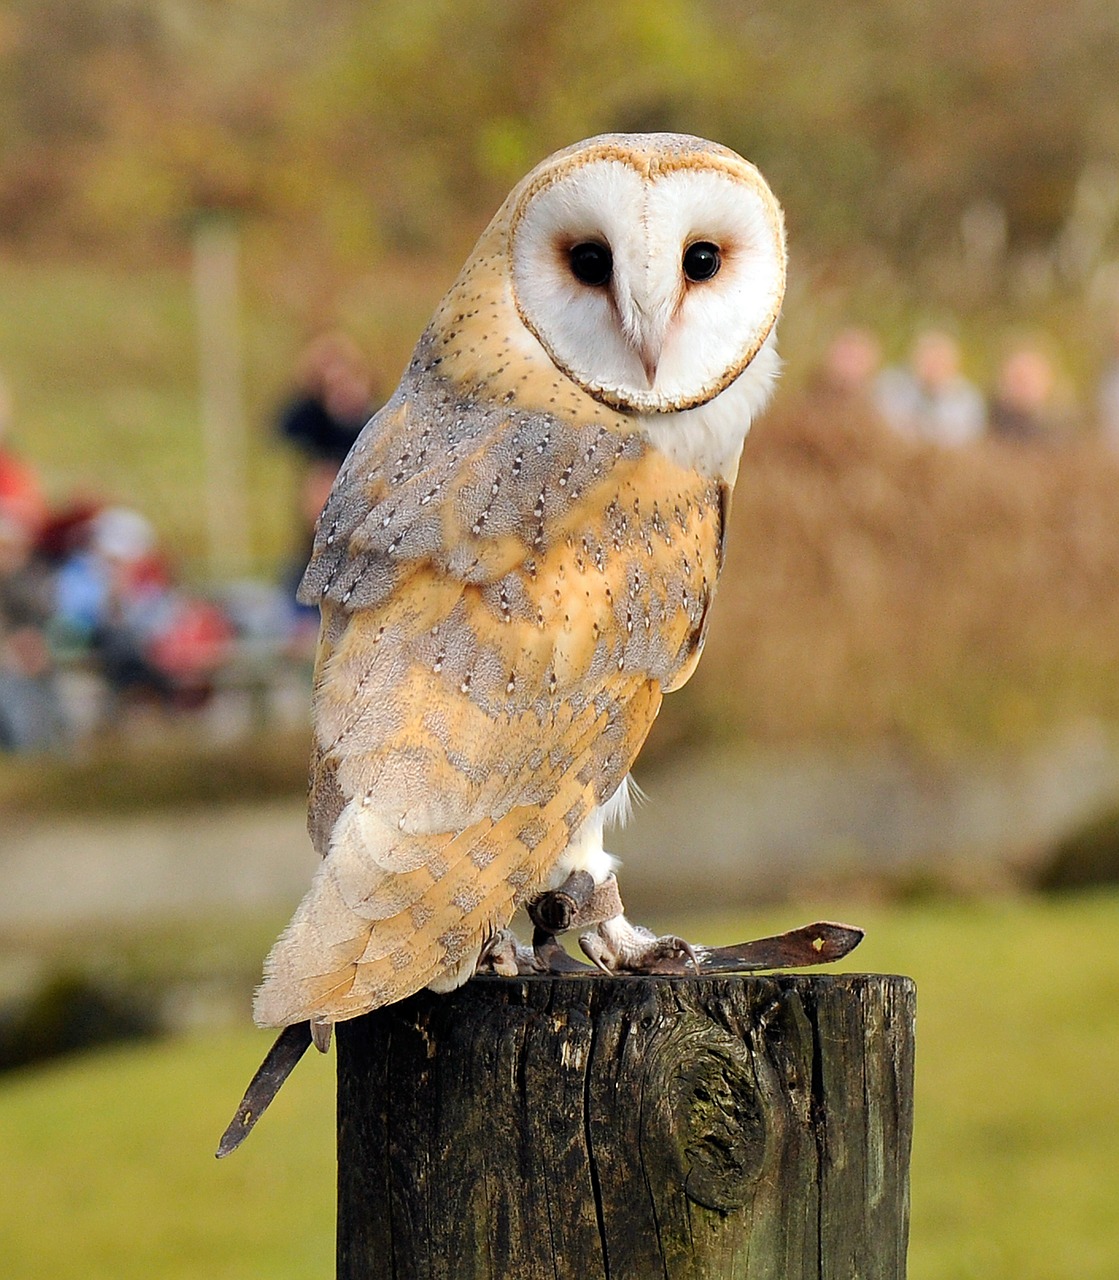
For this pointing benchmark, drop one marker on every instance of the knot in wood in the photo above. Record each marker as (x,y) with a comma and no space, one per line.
(710,1116)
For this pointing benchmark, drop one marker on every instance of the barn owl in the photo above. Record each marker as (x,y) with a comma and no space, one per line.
(517,562)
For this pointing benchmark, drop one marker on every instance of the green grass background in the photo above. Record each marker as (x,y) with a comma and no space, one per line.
(109,1168)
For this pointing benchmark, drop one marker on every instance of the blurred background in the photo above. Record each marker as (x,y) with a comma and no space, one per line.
(222,228)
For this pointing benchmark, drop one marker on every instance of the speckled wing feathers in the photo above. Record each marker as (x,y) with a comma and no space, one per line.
(385,917)
(505,595)
(466,486)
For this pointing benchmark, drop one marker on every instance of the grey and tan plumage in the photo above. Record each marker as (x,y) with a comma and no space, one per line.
(518,559)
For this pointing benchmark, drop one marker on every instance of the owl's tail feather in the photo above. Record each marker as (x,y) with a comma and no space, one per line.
(390,911)
(366,936)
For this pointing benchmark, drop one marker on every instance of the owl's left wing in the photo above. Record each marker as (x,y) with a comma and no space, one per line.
(470,716)
(470,488)
(449,818)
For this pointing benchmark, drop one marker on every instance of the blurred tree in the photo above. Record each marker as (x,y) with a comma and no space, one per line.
(356,128)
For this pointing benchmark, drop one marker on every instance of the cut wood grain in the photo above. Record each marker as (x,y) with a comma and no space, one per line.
(587,1128)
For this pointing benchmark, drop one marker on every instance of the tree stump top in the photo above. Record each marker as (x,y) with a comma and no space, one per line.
(625,1128)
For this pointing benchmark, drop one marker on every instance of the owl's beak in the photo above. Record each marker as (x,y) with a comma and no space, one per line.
(649,353)
(645,322)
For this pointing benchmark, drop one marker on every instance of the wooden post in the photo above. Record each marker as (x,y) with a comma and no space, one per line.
(589,1128)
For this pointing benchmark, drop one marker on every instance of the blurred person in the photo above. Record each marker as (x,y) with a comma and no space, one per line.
(334,399)
(930,399)
(21,495)
(847,372)
(65,532)
(30,719)
(114,598)
(107,592)
(1025,407)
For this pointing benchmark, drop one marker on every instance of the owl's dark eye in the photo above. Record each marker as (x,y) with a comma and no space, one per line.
(591,262)
(701,260)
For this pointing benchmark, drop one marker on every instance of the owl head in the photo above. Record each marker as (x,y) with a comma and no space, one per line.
(650,267)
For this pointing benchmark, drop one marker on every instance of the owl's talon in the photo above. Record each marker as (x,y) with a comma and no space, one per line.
(551,957)
(682,945)
(594,949)
(617,946)
(506,956)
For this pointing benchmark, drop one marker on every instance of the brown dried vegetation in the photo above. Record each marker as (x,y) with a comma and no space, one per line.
(880,589)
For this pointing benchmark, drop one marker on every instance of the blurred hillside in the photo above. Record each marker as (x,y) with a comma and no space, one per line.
(942,160)
(962,149)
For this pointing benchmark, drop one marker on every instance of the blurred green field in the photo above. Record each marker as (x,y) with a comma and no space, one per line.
(102,367)
(110,1171)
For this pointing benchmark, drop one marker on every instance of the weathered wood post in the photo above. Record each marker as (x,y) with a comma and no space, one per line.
(589,1128)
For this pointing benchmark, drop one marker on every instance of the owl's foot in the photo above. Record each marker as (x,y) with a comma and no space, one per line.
(613,944)
(617,946)
(507,956)
(578,903)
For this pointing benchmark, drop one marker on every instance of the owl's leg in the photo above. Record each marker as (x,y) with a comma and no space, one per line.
(585,893)
(589,897)
(613,943)
(575,904)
